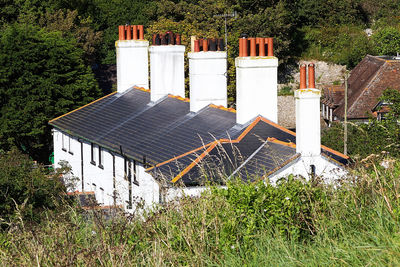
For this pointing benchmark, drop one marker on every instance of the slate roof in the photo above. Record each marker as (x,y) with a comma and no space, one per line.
(223,157)
(174,140)
(366,83)
(333,95)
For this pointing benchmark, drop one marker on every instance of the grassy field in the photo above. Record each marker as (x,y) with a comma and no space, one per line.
(296,223)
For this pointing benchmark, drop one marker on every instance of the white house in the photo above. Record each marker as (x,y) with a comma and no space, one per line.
(137,146)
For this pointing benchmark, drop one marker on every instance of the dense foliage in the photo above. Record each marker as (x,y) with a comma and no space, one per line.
(373,137)
(81,34)
(295,223)
(42,75)
(26,189)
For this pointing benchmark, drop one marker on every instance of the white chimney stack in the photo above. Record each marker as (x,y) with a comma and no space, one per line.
(256,80)
(132,58)
(308,129)
(167,73)
(207,71)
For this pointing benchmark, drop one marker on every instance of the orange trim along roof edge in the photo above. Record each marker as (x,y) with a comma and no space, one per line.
(101,98)
(213,144)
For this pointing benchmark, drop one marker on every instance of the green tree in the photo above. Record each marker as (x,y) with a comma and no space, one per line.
(346,44)
(105,16)
(70,25)
(387,41)
(26,188)
(372,138)
(42,75)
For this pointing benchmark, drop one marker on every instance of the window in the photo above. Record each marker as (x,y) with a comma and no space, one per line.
(102,194)
(114,191)
(135,181)
(92,153)
(101,158)
(63,142)
(128,176)
(312,170)
(69,146)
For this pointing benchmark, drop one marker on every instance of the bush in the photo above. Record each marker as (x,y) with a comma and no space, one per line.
(26,189)
(286,209)
(345,45)
(42,76)
(369,138)
(294,223)
(387,41)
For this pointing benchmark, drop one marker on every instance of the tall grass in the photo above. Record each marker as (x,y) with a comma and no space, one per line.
(354,222)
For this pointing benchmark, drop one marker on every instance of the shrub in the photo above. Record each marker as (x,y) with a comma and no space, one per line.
(286,209)
(346,45)
(26,189)
(387,41)
(286,90)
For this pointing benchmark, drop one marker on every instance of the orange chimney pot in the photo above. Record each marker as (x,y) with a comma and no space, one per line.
(196,45)
(128,32)
(270,47)
(253,50)
(177,39)
(134,30)
(261,47)
(240,47)
(121,32)
(245,51)
(205,45)
(303,83)
(311,75)
(141,32)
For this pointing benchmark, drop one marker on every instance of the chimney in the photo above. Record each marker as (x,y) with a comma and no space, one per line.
(308,130)
(167,66)
(207,71)
(132,58)
(256,80)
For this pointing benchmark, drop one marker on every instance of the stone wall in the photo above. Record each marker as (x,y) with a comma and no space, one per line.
(287,111)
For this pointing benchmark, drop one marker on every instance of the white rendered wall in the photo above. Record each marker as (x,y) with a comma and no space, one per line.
(175,193)
(256,88)
(302,166)
(70,154)
(308,128)
(101,180)
(207,71)
(167,73)
(132,64)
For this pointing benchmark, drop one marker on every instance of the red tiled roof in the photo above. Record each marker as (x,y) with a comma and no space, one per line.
(366,84)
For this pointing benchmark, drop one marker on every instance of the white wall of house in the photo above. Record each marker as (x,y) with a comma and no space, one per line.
(146,190)
(175,193)
(104,179)
(325,168)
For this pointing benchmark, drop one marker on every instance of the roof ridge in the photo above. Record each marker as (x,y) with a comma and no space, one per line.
(213,144)
(283,143)
(367,86)
(221,107)
(337,153)
(221,140)
(277,126)
(283,164)
(141,88)
(185,99)
(331,159)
